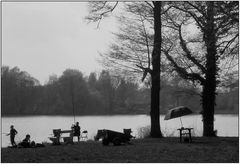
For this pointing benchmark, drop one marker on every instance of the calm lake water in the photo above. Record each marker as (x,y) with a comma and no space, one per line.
(40,127)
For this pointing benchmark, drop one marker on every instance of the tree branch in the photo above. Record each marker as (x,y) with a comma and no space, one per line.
(98,11)
(147,43)
(199,10)
(182,72)
(146,71)
(166,10)
(197,19)
(229,43)
(188,53)
(149,4)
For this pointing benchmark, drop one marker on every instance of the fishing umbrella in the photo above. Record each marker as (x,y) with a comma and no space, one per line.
(177,112)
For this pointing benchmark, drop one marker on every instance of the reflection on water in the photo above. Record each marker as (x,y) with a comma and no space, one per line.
(40,127)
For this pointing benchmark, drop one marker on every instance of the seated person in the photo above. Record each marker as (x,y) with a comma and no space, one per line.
(128,132)
(26,142)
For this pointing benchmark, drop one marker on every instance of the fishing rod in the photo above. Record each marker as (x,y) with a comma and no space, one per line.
(72,98)
(73,109)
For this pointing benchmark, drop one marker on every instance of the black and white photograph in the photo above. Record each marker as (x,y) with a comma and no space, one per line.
(119,81)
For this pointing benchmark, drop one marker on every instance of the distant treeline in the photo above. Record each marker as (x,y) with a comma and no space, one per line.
(103,93)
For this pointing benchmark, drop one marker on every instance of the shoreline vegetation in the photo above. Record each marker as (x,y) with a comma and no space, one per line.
(100,94)
(169,149)
(162,113)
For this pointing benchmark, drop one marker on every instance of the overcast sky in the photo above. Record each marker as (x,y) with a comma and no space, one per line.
(46,38)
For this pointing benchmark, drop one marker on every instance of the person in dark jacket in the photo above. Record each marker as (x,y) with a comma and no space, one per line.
(12,134)
(77,130)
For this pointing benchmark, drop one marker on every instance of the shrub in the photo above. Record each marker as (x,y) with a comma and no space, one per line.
(143,132)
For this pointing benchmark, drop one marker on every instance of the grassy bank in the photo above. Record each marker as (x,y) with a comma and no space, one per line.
(219,149)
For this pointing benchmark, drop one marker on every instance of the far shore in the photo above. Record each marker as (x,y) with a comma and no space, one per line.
(163,150)
(119,114)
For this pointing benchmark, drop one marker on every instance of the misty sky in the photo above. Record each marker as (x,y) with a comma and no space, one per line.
(46,38)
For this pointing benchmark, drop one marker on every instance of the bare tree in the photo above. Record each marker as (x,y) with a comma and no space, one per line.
(151,63)
(217,22)
(131,51)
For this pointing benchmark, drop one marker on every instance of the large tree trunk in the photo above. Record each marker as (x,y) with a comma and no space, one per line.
(209,87)
(155,75)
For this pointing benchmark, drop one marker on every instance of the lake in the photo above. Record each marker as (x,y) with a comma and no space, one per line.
(40,127)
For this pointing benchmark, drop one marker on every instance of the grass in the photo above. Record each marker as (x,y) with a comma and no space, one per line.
(219,149)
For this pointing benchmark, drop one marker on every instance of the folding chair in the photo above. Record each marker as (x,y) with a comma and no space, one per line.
(56,138)
(84,135)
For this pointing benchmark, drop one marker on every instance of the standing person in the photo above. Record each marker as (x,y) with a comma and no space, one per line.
(12,134)
(77,129)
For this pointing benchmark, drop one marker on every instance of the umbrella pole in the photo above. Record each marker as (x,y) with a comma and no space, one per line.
(181,121)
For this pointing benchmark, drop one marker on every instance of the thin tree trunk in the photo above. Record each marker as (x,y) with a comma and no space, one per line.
(155,75)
